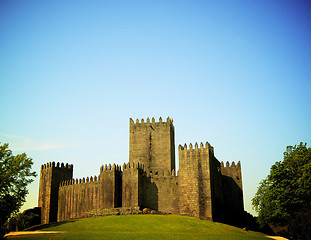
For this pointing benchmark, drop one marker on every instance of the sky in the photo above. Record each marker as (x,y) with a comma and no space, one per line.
(233,73)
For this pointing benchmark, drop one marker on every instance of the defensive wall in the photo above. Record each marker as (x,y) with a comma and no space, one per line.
(203,187)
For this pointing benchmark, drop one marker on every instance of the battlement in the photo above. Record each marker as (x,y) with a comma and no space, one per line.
(233,165)
(57,165)
(133,165)
(196,147)
(233,171)
(79,181)
(110,167)
(168,120)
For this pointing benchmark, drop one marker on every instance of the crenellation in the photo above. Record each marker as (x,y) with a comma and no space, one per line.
(196,147)
(203,187)
(148,121)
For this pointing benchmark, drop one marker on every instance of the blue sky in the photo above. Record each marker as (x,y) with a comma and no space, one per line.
(233,73)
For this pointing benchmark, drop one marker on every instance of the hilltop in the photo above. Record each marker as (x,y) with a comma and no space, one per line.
(141,227)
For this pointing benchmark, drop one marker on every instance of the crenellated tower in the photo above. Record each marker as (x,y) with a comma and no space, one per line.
(232,188)
(111,186)
(194,176)
(233,171)
(152,144)
(51,176)
(132,192)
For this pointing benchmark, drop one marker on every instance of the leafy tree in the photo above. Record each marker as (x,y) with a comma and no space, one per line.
(284,197)
(21,221)
(15,175)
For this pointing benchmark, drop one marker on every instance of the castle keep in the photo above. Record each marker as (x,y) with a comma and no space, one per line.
(203,187)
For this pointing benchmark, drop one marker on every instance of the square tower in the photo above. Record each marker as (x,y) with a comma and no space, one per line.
(50,177)
(153,144)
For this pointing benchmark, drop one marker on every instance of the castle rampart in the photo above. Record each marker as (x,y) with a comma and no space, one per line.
(194,175)
(203,187)
(51,175)
(77,198)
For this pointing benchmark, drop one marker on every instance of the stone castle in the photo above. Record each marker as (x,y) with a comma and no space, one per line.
(203,187)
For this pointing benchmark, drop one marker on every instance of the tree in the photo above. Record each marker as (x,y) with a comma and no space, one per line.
(284,197)
(15,175)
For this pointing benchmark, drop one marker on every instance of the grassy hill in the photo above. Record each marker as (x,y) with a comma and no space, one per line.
(143,227)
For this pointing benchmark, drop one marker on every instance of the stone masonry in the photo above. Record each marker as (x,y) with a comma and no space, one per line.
(203,187)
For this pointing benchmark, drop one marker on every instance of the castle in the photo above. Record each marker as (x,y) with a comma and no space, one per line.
(203,187)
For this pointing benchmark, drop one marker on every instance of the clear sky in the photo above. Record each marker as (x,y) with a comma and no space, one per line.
(234,73)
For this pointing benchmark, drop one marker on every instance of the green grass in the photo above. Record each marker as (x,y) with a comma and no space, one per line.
(144,227)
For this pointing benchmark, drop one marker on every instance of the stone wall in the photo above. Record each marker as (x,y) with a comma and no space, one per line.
(232,188)
(111,186)
(132,185)
(194,181)
(167,198)
(51,175)
(76,197)
(217,191)
(152,144)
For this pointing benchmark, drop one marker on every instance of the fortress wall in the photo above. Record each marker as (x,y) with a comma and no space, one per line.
(150,193)
(152,144)
(111,186)
(76,197)
(132,185)
(193,178)
(216,189)
(167,198)
(232,189)
(51,175)
(233,171)
(188,183)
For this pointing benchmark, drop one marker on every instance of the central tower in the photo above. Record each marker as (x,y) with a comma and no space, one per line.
(152,144)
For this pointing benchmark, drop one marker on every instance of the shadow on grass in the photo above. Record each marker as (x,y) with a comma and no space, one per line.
(42,226)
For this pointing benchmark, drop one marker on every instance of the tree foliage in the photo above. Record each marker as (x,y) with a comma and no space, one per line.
(286,192)
(15,175)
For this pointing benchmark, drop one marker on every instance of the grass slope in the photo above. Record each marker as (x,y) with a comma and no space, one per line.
(145,227)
